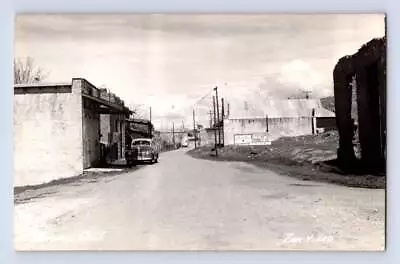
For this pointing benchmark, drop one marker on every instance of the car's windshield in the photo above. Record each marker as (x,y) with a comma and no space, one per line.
(141,142)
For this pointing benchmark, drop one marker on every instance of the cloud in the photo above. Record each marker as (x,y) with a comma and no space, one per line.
(299,73)
(165,60)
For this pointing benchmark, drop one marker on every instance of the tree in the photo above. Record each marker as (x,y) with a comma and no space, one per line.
(138,110)
(25,71)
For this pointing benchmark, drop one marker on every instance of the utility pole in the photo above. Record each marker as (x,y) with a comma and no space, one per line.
(194,130)
(211,119)
(173,134)
(215,131)
(223,117)
(218,124)
(313,121)
(150,114)
(150,125)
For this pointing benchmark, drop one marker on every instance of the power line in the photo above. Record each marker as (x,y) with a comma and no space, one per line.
(204,96)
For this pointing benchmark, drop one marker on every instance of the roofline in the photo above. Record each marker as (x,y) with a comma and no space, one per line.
(33,85)
(276,117)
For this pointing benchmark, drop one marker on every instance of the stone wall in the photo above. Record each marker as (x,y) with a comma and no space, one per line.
(360,95)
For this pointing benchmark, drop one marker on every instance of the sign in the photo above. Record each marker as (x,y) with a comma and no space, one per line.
(252,139)
(259,139)
(243,139)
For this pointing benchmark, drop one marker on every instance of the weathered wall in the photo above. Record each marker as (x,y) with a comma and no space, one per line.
(47,134)
(368,66)
(277,127)
(91,134)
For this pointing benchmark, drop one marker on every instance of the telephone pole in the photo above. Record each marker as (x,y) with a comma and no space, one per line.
(173,134)
(150,114)
(218,124)
(215,131)
(150,126)
(194,130)
(223,117)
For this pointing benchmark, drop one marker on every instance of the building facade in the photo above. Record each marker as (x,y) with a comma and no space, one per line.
(275,119)
(57,131)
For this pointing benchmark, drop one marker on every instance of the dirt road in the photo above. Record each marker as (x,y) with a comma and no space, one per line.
(183,203)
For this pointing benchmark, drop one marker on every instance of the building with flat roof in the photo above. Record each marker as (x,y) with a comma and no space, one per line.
(57,129)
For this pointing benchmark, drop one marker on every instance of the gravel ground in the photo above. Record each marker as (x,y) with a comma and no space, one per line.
(183,203)
(304,157)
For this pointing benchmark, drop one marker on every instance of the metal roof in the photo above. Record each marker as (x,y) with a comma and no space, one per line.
(278,109)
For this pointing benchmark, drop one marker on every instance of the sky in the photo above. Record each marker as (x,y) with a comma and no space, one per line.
(169,62)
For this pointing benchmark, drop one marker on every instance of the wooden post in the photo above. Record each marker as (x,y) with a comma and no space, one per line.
(266,122)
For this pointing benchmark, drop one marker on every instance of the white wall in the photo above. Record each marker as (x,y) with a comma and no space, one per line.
(47,136)
(277,127)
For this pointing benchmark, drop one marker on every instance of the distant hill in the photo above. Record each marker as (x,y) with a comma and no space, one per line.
(328,103)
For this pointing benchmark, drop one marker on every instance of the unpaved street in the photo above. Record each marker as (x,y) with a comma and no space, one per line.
(183,203)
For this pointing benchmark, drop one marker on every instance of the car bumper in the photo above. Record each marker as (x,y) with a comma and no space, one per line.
(144,157)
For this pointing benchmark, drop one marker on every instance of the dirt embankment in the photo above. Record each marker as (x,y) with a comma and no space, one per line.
(305,157)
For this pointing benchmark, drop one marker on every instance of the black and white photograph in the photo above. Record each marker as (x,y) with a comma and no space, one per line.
(199,132)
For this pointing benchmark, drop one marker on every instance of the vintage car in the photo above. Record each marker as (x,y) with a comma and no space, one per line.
(141,150)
